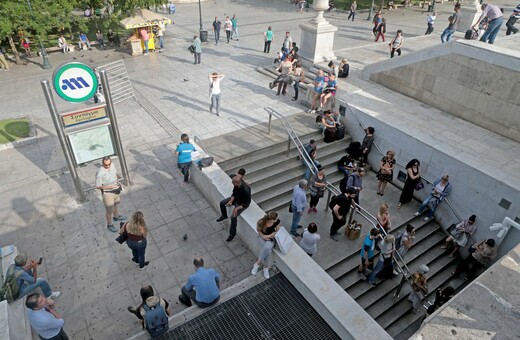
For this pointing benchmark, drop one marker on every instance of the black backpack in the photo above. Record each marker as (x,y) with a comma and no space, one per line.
(155,319)
(10,288)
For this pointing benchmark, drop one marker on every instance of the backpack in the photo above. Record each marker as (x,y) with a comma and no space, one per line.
(10,288)
(398,239)
(155,319)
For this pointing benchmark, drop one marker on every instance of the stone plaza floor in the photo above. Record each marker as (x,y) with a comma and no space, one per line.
(81,258)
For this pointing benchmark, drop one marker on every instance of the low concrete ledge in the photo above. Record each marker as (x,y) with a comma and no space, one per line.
(335,306)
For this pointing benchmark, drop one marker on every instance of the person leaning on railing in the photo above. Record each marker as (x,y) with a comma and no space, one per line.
(441,189)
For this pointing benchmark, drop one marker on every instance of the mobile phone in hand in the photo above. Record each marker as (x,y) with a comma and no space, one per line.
(40,260)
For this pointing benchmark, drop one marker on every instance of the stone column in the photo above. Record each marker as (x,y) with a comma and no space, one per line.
(317,38)
(470,13)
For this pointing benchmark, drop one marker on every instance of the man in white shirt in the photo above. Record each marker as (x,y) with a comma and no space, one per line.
(214,91)
(107,181)
(430,20)
(44,319)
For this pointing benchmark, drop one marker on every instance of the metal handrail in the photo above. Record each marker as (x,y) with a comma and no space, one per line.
(201,142)
(453,210)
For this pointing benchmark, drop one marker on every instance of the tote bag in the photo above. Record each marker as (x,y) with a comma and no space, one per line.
(284,240)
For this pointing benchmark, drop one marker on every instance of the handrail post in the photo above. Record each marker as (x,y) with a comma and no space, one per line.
(351,217)
(329,196)
(288,145)
(399,287)
(269,124)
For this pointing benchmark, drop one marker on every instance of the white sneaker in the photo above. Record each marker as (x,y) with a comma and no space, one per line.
(313,111)
(254,271)
(395,272)
(266,273)
(55,295)
(417,214)
(426,219)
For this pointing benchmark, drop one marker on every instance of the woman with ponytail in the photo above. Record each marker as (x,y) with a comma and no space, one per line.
(266,227)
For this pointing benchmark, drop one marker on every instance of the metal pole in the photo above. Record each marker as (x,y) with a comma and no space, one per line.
(61,137)
(288,145)
(399,287)
(269,126)
(329,196)
(46,64)
(115,128)
(200,17)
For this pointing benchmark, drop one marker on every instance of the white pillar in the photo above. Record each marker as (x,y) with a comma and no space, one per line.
(317,38)
(470,13)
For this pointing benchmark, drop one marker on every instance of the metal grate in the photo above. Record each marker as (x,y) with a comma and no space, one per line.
(273,309)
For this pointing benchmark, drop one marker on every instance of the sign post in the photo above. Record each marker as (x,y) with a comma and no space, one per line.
(88,134)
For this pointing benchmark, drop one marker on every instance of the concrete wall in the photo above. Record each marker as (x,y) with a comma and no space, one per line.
(335,306)
(474,192)
(477,83)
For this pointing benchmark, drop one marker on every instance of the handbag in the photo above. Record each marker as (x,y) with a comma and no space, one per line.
(191,48)
(419,185)
(284,240)
(123,236)
(471,250)
(290,207)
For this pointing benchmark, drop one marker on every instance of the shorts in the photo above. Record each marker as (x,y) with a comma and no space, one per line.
(110,200)
(316,94)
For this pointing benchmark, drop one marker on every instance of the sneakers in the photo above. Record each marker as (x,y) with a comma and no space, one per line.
(334,237)
(221,218)
(295,234)
(119,218)
(417,214)
(186,303)
(426,219)
(271,86)
(112,228)
(361,276)
(373,284)
(309,210)
(146,263)
(395,272)
(309,111)
(315,210)
(254,271)
(313,111)
(266,273)
(55,295)
(131,309)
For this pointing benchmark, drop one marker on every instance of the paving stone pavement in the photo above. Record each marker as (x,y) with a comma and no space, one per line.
(82,259)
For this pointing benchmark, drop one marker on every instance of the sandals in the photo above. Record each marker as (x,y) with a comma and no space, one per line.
(399,205)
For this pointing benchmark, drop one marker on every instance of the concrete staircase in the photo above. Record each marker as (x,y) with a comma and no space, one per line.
(272,175)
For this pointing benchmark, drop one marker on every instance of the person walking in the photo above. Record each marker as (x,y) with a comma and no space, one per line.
(183,152)
(3,61)
(317,186)
(107,181)
(44,319)
(384,266)
(268,39)
(441,189)
(453,21)
(217,26)
(386,171)
(396,44)
(160,35)
(298,204)
(234,24)
(510,24)
(309,241)
(214,92)
(353,8)
(381,30)
(240,199)
(266,227)
(287,43)
(355,181)
(430,20)
(198,49)
(367,252)
(137,233)
(228,26)
(495,21)
(413,177)
(419,286)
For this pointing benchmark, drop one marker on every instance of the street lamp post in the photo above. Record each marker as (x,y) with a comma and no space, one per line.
(46,64)
(200,18)
(369,13)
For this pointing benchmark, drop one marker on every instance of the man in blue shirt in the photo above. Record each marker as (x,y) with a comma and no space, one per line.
(367,251)
(298,204)
(44,319)
(28,279)
(83,40)
(183,152)
(203,287)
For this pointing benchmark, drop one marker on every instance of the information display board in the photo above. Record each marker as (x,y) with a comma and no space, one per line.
(92,144)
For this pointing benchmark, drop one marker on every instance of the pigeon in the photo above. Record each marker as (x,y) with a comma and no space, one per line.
(82,56)
(107,55)
(185,237)
(185,79)
(91,60)
(74,58)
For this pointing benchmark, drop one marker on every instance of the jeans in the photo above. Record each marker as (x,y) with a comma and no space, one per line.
(217,37)
(223,213)
(190,295)
(138,249)
(296,89)
(352,14)
(185,170)
(101,43)
(398,50)
(267,46)
(343,169)
(266,250)
(446,35)
(371,278)
(282,86)
(425,204)
(197,58)
(510,24)
(161,42)
(308,170)
(429,30)
(215,102)
(228,35)
(81,42)
(235,33)
(40,283)
(146,46)
(492,30)
(296,217)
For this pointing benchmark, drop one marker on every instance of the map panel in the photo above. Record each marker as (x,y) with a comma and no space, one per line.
(92,144)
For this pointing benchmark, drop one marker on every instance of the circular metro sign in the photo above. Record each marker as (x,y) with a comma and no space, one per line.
(75,82)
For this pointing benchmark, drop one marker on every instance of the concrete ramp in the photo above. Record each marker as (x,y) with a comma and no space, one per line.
(468,79)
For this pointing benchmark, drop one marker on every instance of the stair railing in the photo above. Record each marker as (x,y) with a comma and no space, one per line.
(453,210)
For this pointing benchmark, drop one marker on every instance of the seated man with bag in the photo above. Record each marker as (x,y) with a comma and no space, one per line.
(28,279)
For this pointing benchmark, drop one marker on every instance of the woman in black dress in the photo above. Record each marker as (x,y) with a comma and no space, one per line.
(386,172)
(414,176)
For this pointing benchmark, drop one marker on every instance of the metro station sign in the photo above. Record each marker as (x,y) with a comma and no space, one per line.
(75,82)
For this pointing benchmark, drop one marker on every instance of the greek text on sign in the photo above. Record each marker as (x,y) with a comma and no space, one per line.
(83,116)
(75,82)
